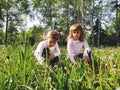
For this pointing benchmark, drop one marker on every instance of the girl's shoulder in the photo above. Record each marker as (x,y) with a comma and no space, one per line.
(42,43)
(70,40)
(74,41)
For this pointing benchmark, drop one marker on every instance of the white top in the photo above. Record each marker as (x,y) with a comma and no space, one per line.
(41,46)
(75,47)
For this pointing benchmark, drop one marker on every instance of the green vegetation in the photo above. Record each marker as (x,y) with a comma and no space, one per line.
(19,71)
(18,67)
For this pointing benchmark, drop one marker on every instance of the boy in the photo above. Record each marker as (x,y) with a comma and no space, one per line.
(43,51)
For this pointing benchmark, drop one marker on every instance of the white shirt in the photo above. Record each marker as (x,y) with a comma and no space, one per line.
(41,46)
(75,47)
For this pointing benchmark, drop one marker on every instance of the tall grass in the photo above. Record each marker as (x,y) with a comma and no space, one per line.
(19,70)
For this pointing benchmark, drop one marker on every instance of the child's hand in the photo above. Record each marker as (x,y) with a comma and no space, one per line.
(86,58)
(51,57)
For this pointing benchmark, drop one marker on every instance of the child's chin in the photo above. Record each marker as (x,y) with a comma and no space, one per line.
(50,46)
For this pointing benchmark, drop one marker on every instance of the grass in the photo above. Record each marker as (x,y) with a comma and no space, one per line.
(19,71)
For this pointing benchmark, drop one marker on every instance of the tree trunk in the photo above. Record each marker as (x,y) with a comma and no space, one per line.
(82,13)
(99,26)
(117,18)
(91,23)
(98,38)
(6,28)
(50,13)
(67,20)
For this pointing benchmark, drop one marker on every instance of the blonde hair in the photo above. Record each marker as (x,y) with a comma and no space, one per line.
(76,27)
(54,34)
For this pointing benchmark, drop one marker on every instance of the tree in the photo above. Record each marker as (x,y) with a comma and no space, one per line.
(98,32)
(35,34)
(1,36)
(117,28)
(12,11)
(12,33)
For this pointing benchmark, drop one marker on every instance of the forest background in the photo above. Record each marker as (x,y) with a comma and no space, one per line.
(24,23)
(100,19)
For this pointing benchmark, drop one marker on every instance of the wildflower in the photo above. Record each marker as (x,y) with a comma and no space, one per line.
(114,66)
(98,75)
(52,50)
(10,80)
(65,68)
(106,64)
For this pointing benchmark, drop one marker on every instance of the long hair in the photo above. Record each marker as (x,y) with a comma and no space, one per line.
(76,27)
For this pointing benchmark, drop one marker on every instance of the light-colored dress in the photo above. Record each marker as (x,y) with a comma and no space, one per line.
(75,48)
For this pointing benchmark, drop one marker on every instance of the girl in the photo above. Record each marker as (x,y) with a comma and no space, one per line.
(42,53)
(76,42)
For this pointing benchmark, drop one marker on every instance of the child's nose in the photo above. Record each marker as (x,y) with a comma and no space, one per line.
(76,34)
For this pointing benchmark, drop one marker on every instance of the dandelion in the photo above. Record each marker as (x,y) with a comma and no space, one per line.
(98,75)
(65,68)
(106,64)
(10,80)
(52,50)
(114,66)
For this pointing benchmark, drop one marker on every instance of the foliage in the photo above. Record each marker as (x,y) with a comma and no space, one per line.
(19,70)
(35,35)
(12,12)
(63,12)
(117,27)
(1,37)
(12,33)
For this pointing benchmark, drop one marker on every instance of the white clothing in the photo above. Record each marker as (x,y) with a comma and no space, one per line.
(40,48)
(75,48)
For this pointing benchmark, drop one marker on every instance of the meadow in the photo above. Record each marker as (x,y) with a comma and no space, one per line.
(19,70)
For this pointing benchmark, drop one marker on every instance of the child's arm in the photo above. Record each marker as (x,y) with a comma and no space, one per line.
(87,48)
(54,51)
(38,53)
(57,50)
(70,51)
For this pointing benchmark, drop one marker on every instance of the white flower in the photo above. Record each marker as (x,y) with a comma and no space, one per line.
(40,60)
(52,50)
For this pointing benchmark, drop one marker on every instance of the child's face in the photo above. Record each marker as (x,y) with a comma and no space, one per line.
(51,42)
(76,34)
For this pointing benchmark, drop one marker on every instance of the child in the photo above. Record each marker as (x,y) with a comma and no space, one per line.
(76,42)
(43,53)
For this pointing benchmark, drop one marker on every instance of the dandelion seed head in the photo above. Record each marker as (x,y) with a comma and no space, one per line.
(114,66)
(10,80)
(98,75)
(65,68)
(106,64)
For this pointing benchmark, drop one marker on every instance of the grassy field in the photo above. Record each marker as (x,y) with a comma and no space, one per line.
(19,71)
